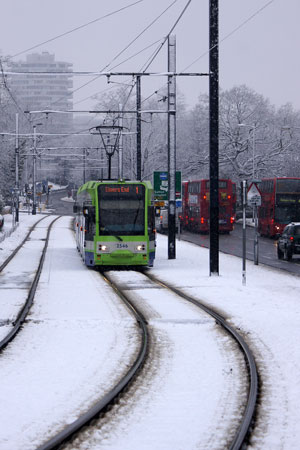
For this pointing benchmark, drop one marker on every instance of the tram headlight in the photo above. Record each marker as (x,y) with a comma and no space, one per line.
(141,247)
(103,248)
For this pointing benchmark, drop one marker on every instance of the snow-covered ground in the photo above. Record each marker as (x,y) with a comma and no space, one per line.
(77,314)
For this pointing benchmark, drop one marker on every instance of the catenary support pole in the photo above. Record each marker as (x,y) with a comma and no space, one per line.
(255,241)
(244,202)
(171,148)
(34,172)
(138,129)
(17,169)
(214,135)
(121,143)
(84,164)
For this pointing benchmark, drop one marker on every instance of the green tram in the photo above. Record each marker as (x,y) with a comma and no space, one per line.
(115,223)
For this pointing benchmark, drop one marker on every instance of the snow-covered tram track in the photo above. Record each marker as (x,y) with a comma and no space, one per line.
(112,396)
(121,427)
(11,321)
(243,432)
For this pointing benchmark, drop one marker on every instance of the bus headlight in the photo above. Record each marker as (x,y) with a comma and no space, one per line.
(141,247)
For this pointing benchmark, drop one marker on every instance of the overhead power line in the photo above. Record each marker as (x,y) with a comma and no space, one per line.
(9,91)
(77,28)
(232,32)
(159,48)
(167,36)
(121,52)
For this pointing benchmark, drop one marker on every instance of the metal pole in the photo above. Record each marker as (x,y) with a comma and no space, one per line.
(214,134)
(172,148)
(253,152)
(84,168)
(244,197)
(255,254)
(17,168)
(34,172)
(121,143)
(253,173)
(109,166)
(138,130)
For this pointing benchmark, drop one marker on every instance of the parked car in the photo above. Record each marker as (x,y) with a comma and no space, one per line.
(1,222)
(288,243)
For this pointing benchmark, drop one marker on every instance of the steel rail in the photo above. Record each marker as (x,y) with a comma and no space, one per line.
(101,406)
(28,303)
(250,409)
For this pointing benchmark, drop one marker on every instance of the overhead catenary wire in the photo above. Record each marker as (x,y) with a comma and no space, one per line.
(9,91)
(77,28)
(231,32)
(205,53)
(222,40)
(131,89)
(117,65)
(167,36)
(126,47)
(120,53)
(154,55)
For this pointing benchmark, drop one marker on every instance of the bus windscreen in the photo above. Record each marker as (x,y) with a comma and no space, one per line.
(288,185)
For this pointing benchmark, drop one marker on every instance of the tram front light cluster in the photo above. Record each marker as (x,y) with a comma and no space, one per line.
(141,247)
(103,248)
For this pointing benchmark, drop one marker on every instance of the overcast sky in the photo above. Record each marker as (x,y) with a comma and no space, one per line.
(263,53)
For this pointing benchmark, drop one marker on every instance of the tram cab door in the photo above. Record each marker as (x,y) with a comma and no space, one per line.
(89,214)
(151,223)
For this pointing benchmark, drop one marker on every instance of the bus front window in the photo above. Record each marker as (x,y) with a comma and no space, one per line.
(287,214)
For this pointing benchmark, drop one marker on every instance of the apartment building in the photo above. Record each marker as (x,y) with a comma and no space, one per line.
(44,91)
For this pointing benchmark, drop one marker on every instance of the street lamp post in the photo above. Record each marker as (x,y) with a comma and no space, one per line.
(110,150)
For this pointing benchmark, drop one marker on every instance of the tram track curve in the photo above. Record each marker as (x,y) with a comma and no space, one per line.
(22,314)
(98,411)
(250,409)
(103,405)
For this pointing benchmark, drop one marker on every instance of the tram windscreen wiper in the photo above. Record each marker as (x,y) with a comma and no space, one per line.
(119,238)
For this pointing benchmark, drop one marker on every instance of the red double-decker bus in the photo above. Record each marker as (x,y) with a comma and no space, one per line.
(280,205)
(195,211)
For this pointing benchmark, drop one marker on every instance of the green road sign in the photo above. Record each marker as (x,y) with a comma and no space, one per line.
(160,183)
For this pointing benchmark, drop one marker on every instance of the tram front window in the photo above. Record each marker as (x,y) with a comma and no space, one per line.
(122,213)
